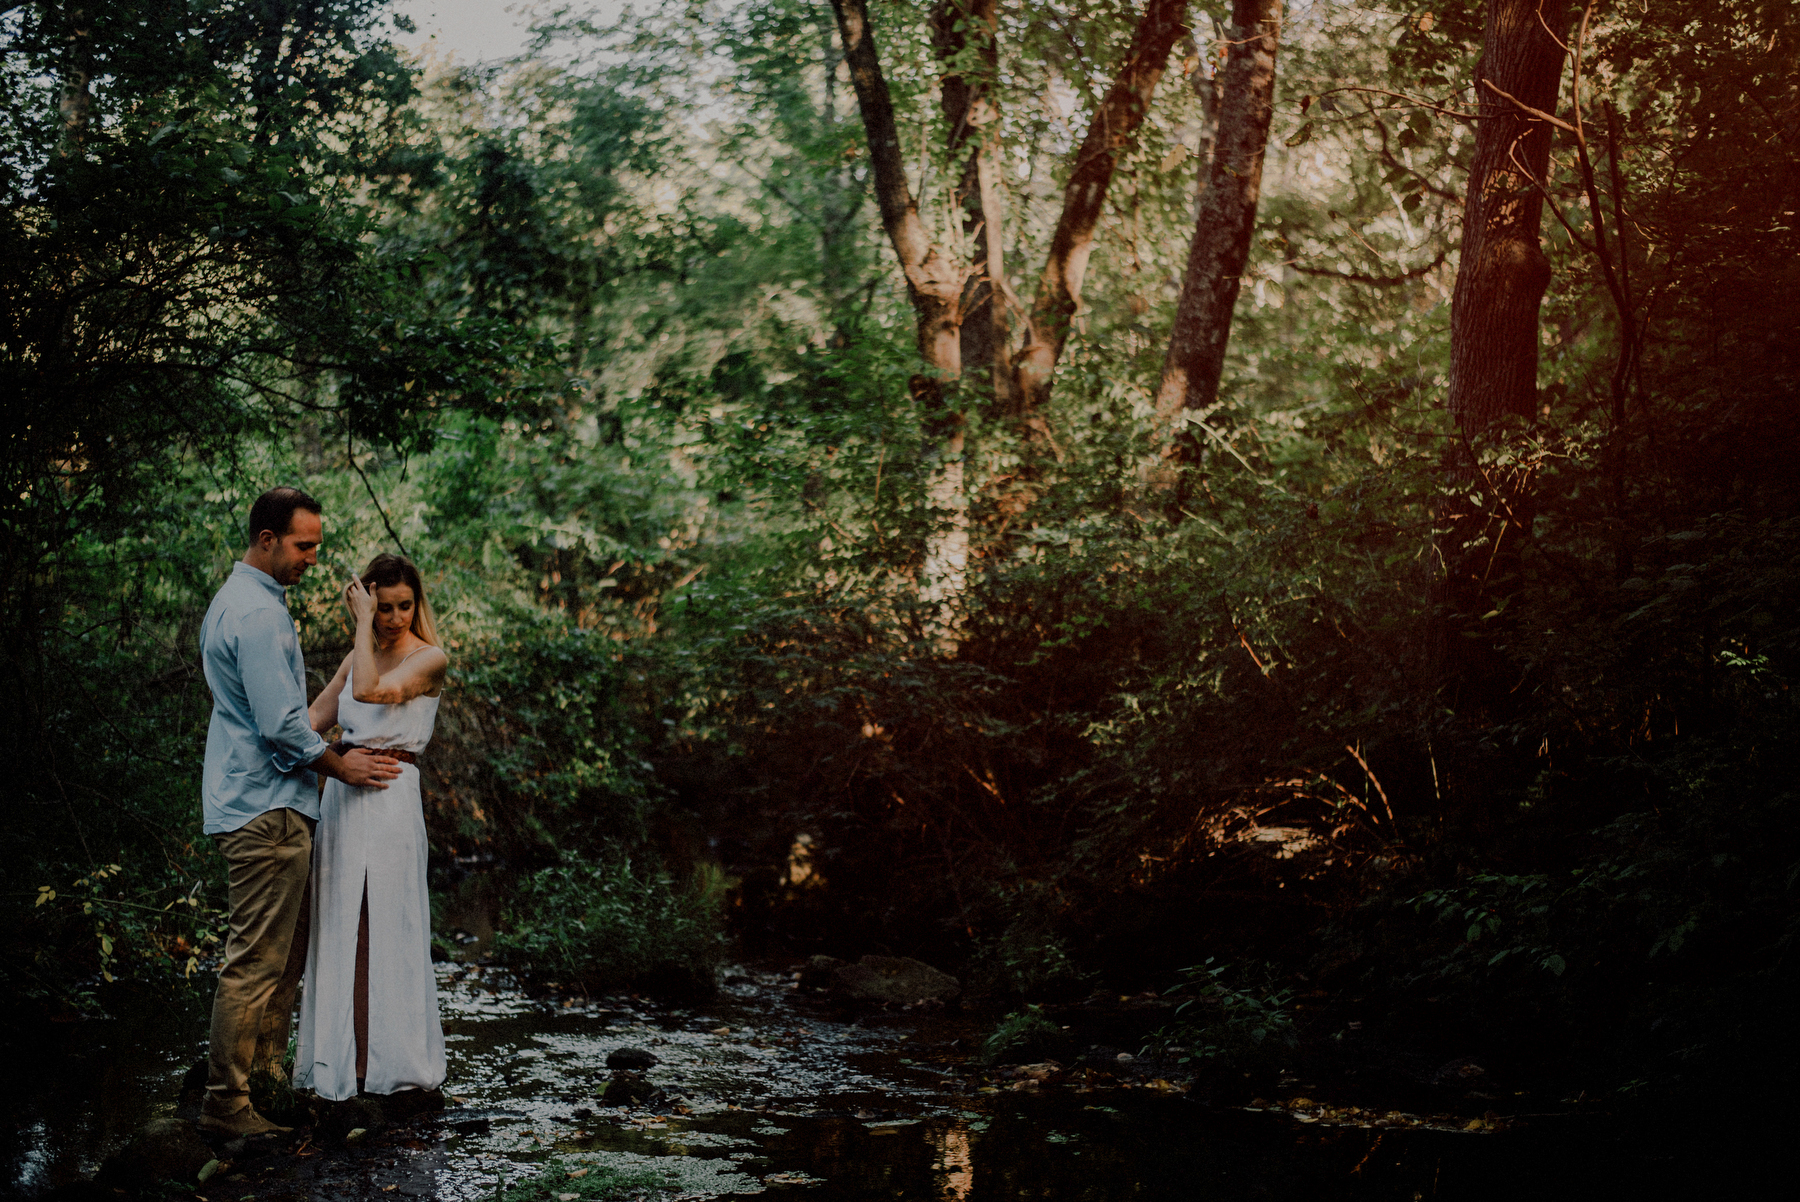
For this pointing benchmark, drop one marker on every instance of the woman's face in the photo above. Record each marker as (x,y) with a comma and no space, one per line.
(393,611)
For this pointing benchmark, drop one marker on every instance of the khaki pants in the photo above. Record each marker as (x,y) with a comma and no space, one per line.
(271,863)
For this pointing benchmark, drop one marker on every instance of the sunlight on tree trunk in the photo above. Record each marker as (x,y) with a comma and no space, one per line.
(935,280)
(934,275)
(963,33)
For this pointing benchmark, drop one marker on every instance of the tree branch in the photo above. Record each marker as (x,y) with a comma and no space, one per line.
(350,448)
(1111,131)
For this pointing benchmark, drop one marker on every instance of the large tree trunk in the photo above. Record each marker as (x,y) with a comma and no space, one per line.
(969,114)
(935,280)
(1500,284)
(1485,519)
(1501,279)
(961,301)
(1222,232)
(1110,134)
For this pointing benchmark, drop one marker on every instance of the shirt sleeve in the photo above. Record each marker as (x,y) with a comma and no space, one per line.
(277,696)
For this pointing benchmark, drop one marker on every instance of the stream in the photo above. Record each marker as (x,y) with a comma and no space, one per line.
(767,1092)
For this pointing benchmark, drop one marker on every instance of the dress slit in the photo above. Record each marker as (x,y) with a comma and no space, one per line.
(359,1006)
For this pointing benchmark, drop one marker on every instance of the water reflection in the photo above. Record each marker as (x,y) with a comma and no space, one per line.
(955,1163)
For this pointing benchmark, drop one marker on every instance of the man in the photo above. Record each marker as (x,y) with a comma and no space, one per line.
(261,799)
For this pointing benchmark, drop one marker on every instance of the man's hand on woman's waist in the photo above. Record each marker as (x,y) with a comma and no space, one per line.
(359,767)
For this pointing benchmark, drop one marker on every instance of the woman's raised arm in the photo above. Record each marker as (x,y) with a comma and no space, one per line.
(421,672)
(322,713)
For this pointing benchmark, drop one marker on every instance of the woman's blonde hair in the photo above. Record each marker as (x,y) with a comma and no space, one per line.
(385,571)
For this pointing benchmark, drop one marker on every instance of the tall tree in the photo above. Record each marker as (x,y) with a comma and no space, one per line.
(1111,132)
(936,277)
(946,285)
(1503,272)
(963,34)
(1227,218)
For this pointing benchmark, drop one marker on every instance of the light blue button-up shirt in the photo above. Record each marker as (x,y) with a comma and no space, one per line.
(259,742)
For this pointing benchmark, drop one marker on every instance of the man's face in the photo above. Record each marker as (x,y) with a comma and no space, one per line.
(297,550)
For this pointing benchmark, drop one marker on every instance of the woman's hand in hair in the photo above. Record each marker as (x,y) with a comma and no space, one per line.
(360,602)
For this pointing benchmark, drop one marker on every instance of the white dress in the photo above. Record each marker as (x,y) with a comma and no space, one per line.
(375,836)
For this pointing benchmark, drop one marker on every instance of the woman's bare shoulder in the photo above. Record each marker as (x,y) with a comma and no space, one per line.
(429,657)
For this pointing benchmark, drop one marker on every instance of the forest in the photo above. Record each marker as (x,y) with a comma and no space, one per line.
(1298,498)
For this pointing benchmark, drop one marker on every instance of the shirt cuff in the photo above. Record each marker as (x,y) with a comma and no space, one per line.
(303,757)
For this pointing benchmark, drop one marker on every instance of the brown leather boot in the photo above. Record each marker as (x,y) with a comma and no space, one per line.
(237,1124)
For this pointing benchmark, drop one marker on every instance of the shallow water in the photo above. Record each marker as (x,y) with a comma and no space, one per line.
(767,1093)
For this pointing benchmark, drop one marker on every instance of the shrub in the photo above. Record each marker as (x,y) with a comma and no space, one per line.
(609,925)
(1022,1036)
(1241,1025)
(587,1182)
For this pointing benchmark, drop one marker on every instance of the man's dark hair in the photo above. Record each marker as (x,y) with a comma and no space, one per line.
(274,510)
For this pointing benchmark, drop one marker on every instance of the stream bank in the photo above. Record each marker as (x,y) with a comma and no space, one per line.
(765,1090)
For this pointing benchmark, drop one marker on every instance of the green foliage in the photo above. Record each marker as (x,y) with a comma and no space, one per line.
(1027,956)
(608,926)
(1236,1024)
(1500,913)
(538,749)
(587,1180)
(1023,1036)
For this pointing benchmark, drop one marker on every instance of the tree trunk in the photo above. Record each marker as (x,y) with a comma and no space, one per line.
(1500,284)
(1112,131)
(934,278)
(1501,279)
(969,115)
(75,103)
(1221,245)
(935,281)
(1485,517)
(961,304)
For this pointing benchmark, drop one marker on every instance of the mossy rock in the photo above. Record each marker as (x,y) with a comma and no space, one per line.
(1026,1037)
(634,1060)
(628,1089)
(817,974)
(893,981)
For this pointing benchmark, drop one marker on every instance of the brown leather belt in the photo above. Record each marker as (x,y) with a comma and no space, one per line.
(405,757)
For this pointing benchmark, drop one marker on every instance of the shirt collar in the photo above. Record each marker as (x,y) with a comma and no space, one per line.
(260,577)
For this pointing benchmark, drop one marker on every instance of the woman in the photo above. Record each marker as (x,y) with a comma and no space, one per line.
(368,1016)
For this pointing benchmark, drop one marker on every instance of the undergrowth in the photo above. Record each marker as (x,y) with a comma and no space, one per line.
(1238,1020)
(567,1181)
(610,925)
